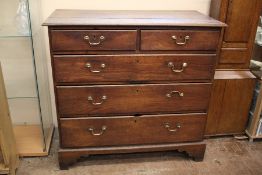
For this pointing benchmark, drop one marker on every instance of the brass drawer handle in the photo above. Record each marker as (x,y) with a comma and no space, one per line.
(172,66)
(89,66)
(172,93)
(92,131)
(90,98)
(101,38)
(180,43)
(169,128)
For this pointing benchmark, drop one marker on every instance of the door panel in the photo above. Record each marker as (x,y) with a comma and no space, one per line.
(239,20)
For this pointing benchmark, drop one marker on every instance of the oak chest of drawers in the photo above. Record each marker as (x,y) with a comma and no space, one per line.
(132,81)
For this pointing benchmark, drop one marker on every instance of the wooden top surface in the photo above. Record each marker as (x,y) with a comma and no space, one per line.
(131,18)
(220,75)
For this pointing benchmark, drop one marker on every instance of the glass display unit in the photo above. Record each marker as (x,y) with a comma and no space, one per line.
(24,64)
(256,62)
(254,127)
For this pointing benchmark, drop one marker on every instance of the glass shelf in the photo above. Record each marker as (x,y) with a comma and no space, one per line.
(14,36)
(10,98)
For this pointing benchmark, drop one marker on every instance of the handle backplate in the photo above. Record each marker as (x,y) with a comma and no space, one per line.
(173,93)
(186,38)
(172,66)
(93,43)
(90,98)
(172,129)
(89,66)
(101,132)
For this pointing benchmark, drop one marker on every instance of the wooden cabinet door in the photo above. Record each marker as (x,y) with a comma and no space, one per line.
(215,107)
(236,103)
(229,104)
(240,16)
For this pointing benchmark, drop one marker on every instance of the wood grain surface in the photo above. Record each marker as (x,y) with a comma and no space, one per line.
(132,130)
(132,99)
(163,40)
(74,40)
(158,63)
(242,18)
(133,68)
(229,106)
(130,18)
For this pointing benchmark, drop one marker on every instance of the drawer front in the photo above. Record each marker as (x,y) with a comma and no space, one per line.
(233,56)
(84,40)
(131,130)
(126,68)
(132,99)
(179,40)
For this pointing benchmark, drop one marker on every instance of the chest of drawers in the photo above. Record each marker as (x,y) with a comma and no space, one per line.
(132,81)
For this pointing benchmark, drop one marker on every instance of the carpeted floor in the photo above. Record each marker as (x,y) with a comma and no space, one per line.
(224,156)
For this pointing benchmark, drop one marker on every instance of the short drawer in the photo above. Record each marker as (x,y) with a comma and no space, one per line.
(84,40)
(131,130)
(127,68)
(106,100)
(179,40)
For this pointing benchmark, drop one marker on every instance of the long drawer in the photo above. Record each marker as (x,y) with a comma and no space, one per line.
(84,40)
(179,39)
(127,68)
(106,100)
(131,130)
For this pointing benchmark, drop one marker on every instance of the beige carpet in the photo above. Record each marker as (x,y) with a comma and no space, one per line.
(224,156)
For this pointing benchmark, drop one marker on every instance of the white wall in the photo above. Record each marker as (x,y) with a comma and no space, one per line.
(48,6)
